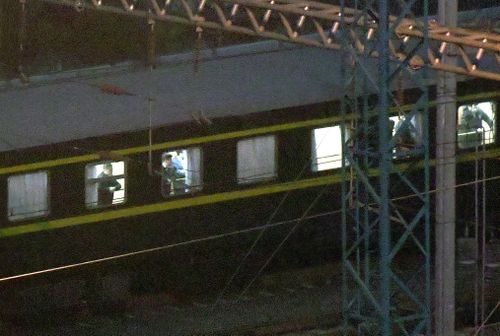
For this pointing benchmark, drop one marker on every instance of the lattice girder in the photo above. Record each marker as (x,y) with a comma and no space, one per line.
(377,298)
(317,24)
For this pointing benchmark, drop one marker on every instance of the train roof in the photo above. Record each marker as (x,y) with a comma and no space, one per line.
(235,80)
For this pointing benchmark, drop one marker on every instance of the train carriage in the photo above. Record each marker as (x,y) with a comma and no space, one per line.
(254,149)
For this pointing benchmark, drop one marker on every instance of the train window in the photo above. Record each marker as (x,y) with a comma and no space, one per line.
(476,124)
(256,159)
(326,148)
(181,171)
(28,195)
(105,184)
(408,138)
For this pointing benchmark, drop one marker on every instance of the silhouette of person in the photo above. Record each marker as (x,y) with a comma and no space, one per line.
(106,186)
(471,128)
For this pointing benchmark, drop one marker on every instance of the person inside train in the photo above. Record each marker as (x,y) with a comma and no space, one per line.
(106,186)
(471,129)
(177,162)
(171,175)
(406,138)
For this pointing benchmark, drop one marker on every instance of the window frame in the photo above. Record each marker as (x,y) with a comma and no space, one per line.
(192,189)
(89,205)
(245,181)
(47,194)
(493,129)
(314,157)
(402,151)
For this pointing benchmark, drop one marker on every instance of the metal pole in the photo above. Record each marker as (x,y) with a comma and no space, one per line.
(384,168)
(446,128)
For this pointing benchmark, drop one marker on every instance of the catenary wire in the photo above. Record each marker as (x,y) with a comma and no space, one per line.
(164,247)
(277,249)
(261,233)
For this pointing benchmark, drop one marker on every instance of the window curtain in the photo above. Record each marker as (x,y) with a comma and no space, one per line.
(256,159)
(28,195)
(91,188)
(193,167)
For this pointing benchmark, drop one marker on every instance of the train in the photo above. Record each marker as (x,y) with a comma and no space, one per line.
(256,152)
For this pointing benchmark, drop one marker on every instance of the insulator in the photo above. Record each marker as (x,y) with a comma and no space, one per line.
(164,9)
(201,5)
(335,27)
(234,10)
(267,14)
(300,22)
(479,54)
(369,35)
(442,47)
(443,44)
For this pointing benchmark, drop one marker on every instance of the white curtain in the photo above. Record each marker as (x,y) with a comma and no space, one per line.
(91,189)
(256,159)
(28,195)
(193,167)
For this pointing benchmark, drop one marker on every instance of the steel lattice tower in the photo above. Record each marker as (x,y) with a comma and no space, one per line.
(385,207)
(380,296)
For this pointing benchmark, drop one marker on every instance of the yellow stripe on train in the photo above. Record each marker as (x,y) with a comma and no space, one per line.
(170,205)
(210,138)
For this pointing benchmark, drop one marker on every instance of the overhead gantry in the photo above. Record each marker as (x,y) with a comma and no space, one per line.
(318,24)
(402,45)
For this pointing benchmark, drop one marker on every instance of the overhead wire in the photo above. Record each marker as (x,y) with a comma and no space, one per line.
(259,272)
(261,233)
(273,254)
(163,247)
(280,245)
(188,242)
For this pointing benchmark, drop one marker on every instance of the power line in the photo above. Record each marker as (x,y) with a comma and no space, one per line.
(213,237)
(257,239)
(276,250)
(337,211)
(160,248)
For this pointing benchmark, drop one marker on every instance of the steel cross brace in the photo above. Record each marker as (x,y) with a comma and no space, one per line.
(375,294)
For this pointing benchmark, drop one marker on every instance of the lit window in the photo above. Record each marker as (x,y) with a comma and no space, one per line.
(326,148)
(405,139)
(28,195)
(105,184)
(476,124)
(181,171)
(256,159)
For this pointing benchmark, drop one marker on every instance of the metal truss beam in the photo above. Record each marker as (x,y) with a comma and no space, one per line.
(317,24)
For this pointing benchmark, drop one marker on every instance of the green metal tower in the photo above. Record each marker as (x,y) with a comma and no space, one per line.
(385,203)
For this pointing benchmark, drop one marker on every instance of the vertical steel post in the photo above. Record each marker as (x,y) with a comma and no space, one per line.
(385,163)
(446,129)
